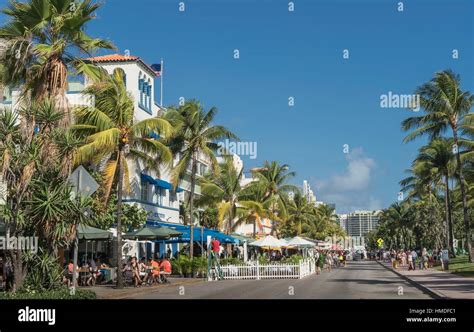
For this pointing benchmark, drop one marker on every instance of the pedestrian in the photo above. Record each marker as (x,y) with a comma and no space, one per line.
(414,255)
(215,247)
(329,262)
(410,261)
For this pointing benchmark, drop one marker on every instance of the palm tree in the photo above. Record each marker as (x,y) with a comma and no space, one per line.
(226,193)
(55,215)
(44,39)
(399,214)
(19,158)
(437,156)
(254,215)
(195,137)
(299,212)
(445,106)
(422,186)
(273,177)
(112,138)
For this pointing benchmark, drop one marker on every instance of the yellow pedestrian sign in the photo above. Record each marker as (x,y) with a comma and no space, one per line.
(380,242)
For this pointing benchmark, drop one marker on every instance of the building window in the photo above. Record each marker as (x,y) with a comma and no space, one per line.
(159,195)
(172,198)
(140,89)
(144,192)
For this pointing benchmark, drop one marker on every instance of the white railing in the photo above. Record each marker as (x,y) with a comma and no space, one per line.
(254,270)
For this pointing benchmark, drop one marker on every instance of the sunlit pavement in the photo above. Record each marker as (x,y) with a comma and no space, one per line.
(358,280)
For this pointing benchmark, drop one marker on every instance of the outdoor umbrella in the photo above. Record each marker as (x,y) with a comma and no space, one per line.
(153,233)
(269,242)
(300,242)
(91,233)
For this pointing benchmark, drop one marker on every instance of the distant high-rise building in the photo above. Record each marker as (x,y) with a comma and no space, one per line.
(308,193)
(342,220)
(359,223)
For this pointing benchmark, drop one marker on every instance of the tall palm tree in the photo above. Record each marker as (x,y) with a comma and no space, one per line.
(299,212)
(43,42)
(422,185)
(273,178)
(195,137)
(445,106)
(438,157)
(111,136)
(399,214)
(255,215)
(225,191)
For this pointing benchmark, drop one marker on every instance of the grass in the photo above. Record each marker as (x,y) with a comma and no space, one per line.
(460,266)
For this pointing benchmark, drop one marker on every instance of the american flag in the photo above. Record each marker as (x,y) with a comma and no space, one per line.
(156,68)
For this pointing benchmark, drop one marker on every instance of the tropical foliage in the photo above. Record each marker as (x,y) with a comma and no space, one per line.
(438,207)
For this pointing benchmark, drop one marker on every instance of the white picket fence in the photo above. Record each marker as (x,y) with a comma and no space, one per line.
(254,270)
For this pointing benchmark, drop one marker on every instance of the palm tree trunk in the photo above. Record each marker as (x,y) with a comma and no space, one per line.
(119,219)
(449,223)
(191,201)
(467,227)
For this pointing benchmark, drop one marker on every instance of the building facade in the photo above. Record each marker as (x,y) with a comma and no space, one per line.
(359,223)
(152,193)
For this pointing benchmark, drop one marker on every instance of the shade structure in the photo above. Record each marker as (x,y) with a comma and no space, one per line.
(159,182)
(300,242)
(269,242)
(243,238)
(153,233)
(200,234)
(92,233)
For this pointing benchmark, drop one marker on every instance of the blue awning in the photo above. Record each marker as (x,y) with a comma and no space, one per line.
(198,235)
(159,182)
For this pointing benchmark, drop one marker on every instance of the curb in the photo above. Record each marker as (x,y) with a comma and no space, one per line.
(143,290)
(436,295)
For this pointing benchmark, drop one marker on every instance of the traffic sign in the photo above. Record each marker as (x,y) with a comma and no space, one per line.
(83,182)
(380,242)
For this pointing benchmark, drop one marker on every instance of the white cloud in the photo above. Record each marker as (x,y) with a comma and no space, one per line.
(351,190)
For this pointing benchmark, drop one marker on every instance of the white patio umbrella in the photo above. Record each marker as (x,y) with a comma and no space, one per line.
(300,242)
(269,242)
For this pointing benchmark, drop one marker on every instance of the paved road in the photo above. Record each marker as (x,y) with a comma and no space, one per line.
(358,280)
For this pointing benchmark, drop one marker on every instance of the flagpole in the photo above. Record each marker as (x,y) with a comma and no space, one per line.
(161,83)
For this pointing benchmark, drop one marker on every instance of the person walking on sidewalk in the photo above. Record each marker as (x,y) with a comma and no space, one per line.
(410,261)
(414,255)
(329,261)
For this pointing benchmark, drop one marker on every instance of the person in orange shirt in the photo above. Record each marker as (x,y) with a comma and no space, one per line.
(155,272)
(165,267)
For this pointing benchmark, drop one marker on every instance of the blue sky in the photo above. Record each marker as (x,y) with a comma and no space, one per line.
(299,54)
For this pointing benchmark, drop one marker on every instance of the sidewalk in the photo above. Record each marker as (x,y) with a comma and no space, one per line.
(443,285)
(109,292)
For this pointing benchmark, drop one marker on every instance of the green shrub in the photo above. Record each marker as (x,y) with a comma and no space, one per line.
(62,293)
(231,261)
(294,259)
(262,259)
(199,266)
(44,271)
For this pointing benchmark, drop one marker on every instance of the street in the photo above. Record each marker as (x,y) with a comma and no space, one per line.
(358,280)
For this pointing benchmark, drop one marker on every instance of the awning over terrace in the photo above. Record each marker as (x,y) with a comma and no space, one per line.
(92,233)
(199,235)
(159,182)
(153,233)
